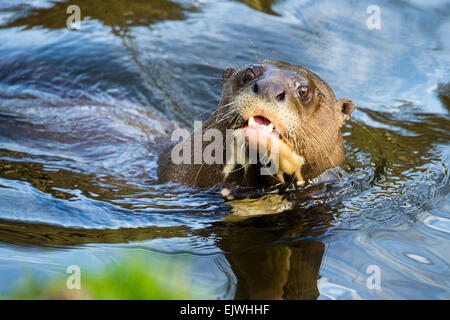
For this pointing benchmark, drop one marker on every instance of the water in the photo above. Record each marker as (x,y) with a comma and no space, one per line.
(83,115)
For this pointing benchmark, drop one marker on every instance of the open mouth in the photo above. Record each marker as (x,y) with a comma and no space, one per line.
(261,132)
(262,125)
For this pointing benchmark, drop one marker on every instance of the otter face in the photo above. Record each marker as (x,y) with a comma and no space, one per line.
(276,104)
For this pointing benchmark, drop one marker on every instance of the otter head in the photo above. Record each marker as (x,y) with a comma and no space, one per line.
(288,110)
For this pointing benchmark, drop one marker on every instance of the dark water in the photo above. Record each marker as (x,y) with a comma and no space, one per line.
(83,115)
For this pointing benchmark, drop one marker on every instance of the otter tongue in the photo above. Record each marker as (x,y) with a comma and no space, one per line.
(262,122)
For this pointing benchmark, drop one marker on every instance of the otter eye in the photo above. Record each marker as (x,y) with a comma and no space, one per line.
(249,75)
(304,92)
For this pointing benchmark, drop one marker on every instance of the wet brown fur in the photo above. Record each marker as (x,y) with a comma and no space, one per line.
(311,129)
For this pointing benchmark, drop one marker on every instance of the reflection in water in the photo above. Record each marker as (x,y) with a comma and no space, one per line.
(410,145)
(120,15)
(278,271)
(84,114)
(261,5)
(443,91)
(265,267)
(52,236)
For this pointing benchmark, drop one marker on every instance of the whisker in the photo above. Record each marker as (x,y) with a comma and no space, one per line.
(216,107)
(363,127)
(206,62)
(214,78)
(253,47)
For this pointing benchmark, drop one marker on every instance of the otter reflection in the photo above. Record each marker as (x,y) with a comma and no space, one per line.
(272,257)
(279,271)
(267,262)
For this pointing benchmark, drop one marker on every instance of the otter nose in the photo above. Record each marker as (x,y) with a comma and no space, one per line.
(269,89)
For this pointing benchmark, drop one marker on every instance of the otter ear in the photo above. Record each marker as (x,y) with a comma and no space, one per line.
(227,74)
(344,108)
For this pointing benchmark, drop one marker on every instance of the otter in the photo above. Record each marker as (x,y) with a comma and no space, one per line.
(284,109)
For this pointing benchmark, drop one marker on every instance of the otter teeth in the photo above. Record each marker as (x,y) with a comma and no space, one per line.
(269,127)
(251,121)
